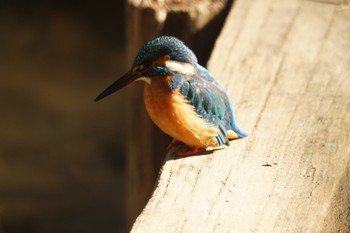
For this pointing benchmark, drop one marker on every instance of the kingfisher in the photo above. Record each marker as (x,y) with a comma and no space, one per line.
(181,97)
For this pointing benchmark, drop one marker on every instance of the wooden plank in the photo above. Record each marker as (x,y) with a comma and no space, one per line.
(286,65)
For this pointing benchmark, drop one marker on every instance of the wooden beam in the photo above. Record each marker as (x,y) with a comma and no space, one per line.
(286,65)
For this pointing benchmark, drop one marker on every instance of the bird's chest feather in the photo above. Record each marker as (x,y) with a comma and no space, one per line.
(157,94)
(172,113)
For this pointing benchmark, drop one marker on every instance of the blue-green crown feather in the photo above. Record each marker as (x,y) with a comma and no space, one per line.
(164,45)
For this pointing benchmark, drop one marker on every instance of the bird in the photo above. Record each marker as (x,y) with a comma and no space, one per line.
(181,97)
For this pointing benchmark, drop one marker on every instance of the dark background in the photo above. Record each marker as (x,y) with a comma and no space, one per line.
(61,167)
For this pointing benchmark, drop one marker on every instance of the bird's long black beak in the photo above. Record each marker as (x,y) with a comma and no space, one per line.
(123,81)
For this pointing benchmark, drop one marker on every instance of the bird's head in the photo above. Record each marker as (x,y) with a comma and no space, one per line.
(162,56)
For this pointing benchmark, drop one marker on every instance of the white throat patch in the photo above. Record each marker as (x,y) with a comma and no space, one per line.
(145,79)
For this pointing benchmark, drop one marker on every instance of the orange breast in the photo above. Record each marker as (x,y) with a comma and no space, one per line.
(172,113)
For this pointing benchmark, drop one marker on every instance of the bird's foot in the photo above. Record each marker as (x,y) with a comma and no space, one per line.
(193,151)
(173,143)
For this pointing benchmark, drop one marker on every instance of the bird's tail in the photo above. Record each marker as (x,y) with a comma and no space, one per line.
(235,131)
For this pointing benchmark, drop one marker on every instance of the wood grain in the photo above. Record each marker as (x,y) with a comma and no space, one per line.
(286,65)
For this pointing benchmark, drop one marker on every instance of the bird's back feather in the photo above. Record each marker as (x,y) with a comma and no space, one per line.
(210,102)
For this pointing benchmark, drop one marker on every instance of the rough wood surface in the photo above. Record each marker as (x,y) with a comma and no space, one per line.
(286,65)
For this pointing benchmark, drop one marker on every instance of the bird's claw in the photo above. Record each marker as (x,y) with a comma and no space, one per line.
(193,151)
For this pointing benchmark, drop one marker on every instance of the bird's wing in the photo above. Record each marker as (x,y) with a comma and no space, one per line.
(229,115)
(209,102)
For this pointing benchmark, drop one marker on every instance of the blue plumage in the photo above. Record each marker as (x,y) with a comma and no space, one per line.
(161,46)
(229,116)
